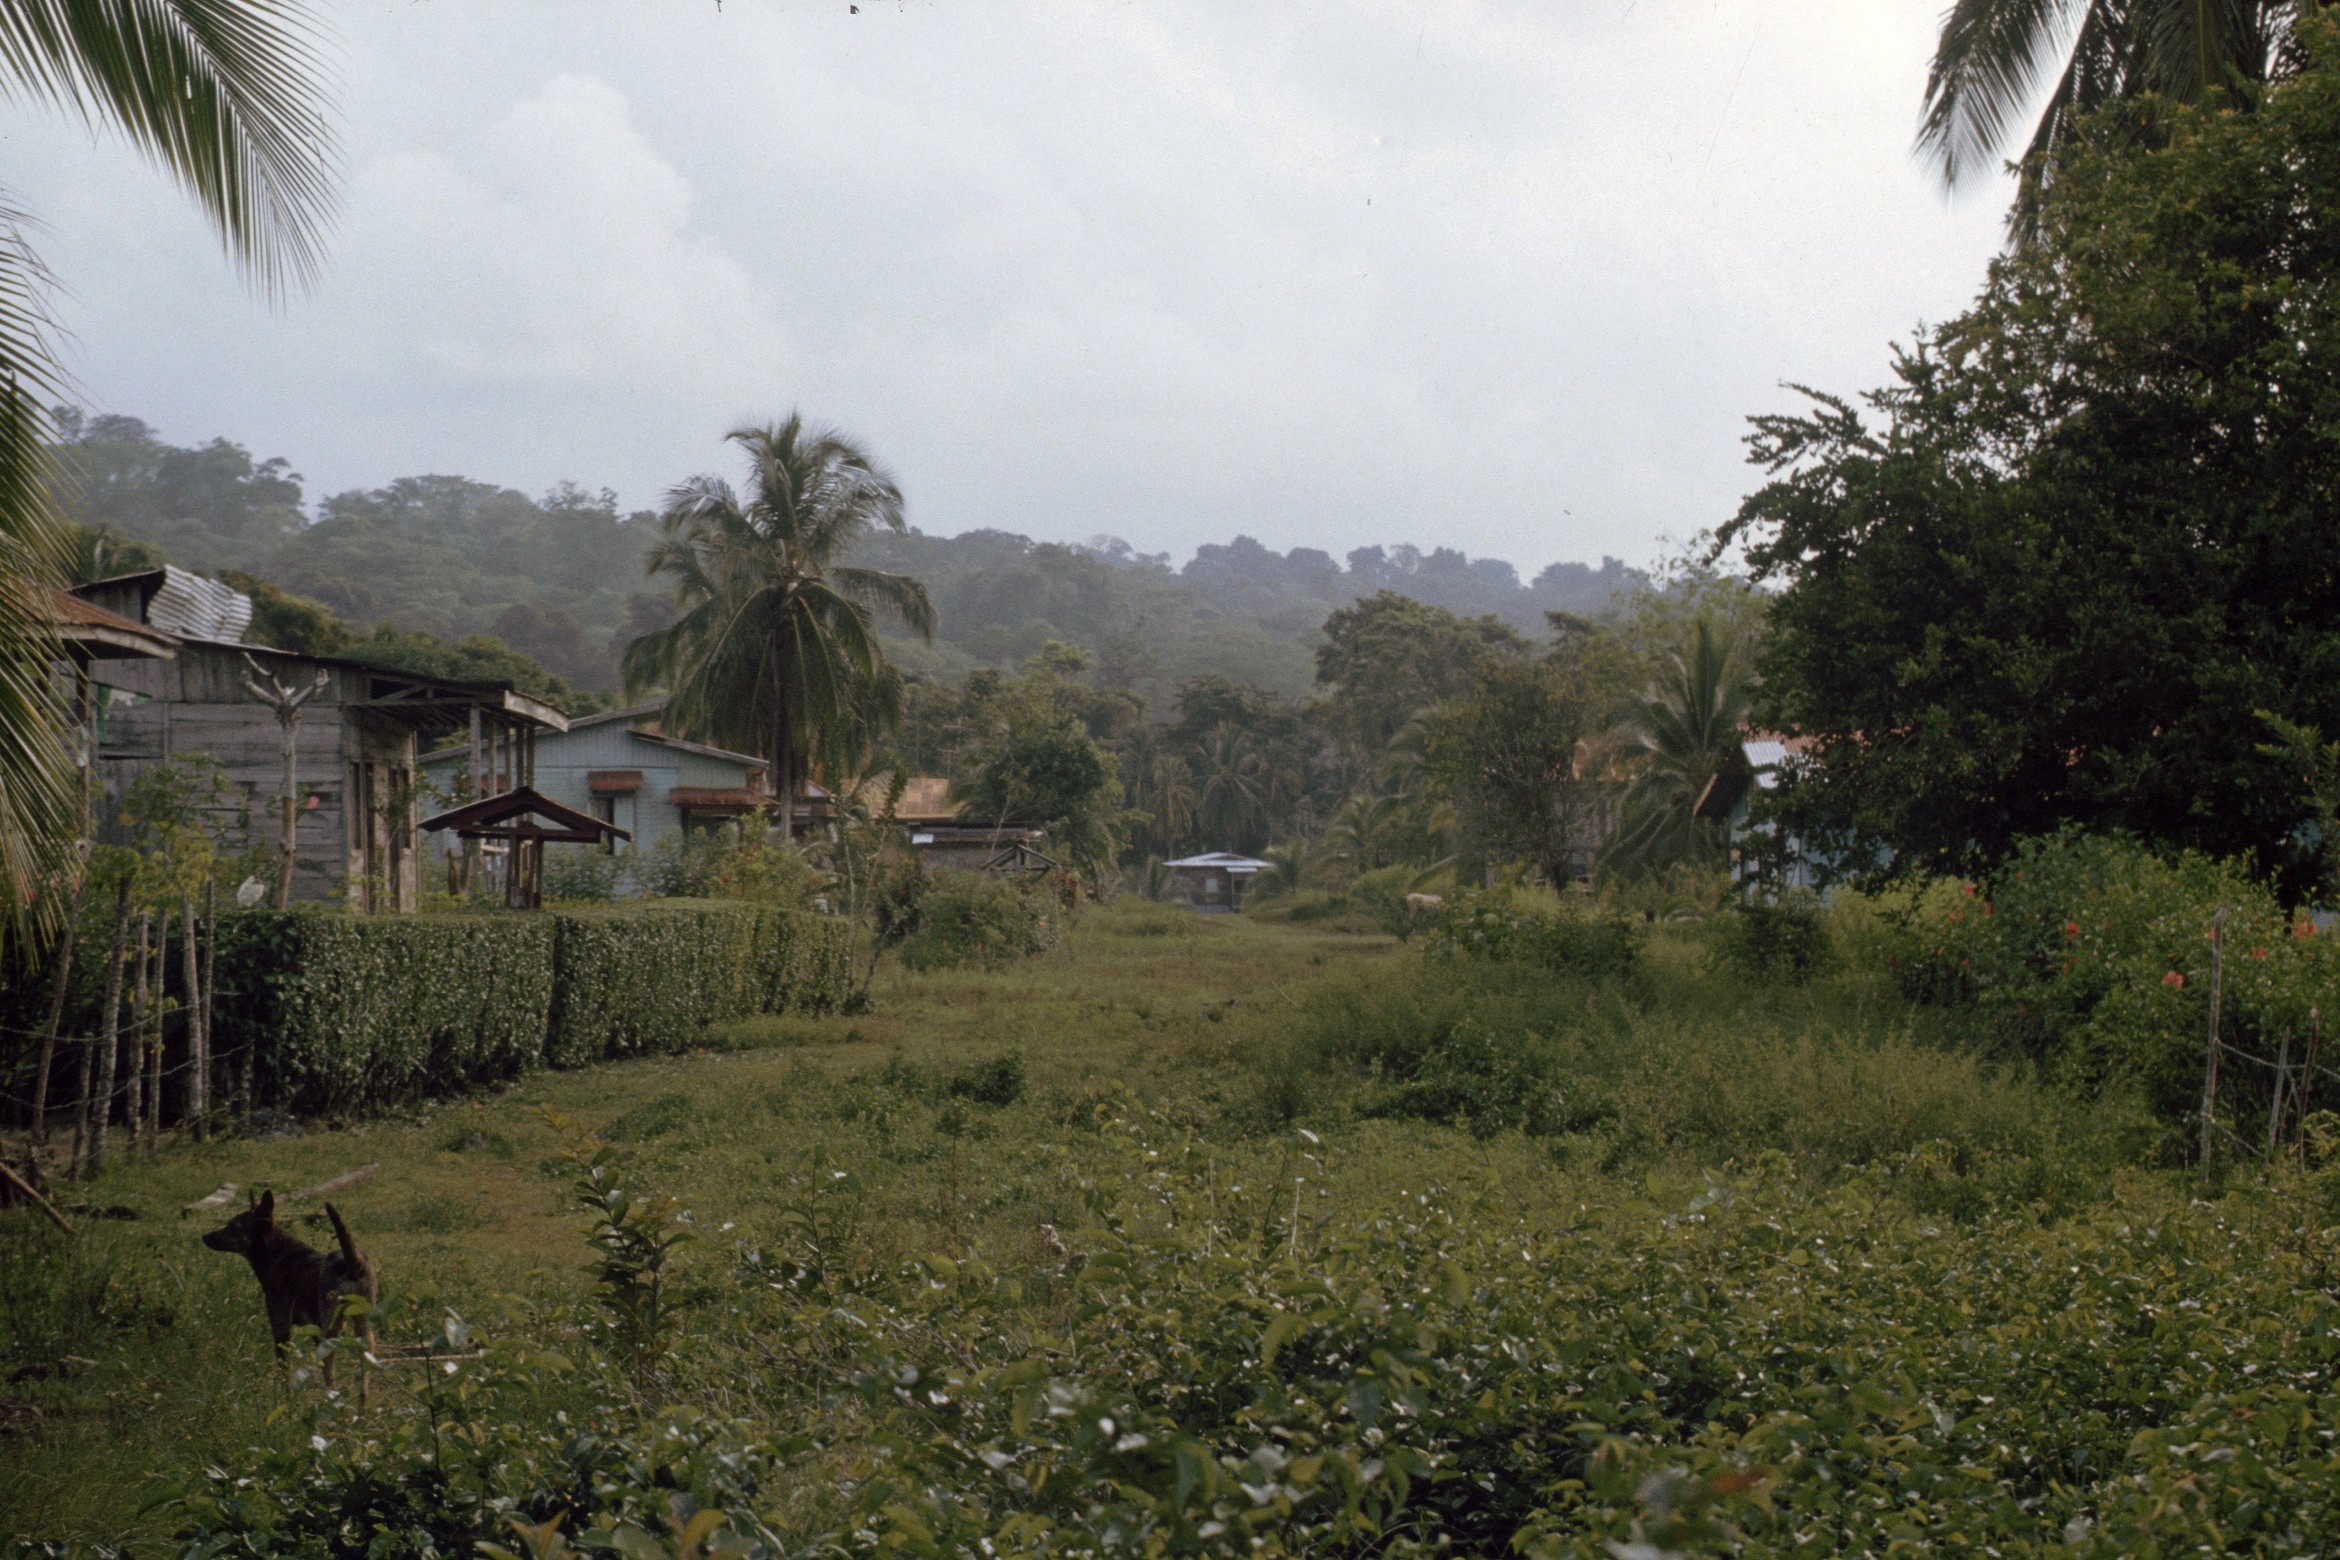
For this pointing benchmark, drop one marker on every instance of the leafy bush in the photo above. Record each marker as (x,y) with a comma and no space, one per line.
(1732,1363)
(804,962)
(1762,940)
(582,872)
(647,977)
(1148,918)
(1495,926)
(1683,1068)
(749,861)
(1382,895)
(996,1080)
(974,918)
(1489,1082)
(2092,954)
(1332,911)
(346,1012)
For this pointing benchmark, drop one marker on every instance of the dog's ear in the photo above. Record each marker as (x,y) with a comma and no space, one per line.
(267,1204)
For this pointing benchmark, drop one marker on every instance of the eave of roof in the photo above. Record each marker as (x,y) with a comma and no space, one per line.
(81,623)
(521,802)
(507,700)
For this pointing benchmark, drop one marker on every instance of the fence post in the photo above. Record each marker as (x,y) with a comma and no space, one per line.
(2307,1081)
(2210,1072)
(2275,1105)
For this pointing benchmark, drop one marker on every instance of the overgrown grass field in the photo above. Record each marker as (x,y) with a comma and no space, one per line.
(1213,1235)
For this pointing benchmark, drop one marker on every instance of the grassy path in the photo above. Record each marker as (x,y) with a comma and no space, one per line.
(133,1351)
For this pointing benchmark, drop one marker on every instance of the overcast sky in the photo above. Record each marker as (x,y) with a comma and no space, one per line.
(1507,277)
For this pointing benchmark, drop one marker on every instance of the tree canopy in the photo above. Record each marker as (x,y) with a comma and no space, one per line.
(2049,573)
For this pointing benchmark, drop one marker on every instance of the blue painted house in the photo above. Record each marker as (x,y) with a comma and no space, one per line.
(619,767)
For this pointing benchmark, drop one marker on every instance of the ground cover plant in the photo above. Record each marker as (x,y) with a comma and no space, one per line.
(1192,1236)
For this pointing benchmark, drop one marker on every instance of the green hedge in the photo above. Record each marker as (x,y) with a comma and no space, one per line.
(804,963)
(645,978)
(349,1012)
(346,1012)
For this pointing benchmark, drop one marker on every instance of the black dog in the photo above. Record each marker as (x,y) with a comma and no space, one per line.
(303,1286)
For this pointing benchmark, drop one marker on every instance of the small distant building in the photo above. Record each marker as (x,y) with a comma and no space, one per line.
(1214,881)
(944,839)
(1768,754)
(620,769)
(1002,852)
(359,728)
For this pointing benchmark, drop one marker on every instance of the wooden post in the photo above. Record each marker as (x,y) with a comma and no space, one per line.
(210,969)
(470,867)
(198,1050)
(111,1016)
(2275,1105)
(286,702)
(40,1099)
(134,1103)
(2307,1082)
(2210,1073)
(101,1123)
(86,710)
(149,1039)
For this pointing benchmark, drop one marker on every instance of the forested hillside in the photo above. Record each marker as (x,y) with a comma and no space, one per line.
(560,577)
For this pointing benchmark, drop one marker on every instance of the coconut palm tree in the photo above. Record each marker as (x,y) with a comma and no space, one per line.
(224,95)
(1238,784)
(776,649)
(1682,740)
(1166,785)
(1993,56)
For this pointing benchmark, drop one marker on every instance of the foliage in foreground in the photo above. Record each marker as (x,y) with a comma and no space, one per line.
(1221,1359)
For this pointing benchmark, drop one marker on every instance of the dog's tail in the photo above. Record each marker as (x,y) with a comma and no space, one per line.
(349,1249)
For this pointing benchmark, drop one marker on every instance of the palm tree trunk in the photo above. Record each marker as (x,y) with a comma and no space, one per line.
(784,768)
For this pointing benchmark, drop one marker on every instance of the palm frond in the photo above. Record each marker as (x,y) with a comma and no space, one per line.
(899,594)
(224,94)
(1989,62)
(40,785)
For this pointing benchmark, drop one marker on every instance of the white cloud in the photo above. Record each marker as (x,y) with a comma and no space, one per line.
(556,253)
(1497,274)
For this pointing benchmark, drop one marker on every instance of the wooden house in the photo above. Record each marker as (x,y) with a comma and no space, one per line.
(356,740)
(620,768)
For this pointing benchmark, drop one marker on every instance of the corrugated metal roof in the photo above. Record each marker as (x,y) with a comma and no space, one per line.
(196,608)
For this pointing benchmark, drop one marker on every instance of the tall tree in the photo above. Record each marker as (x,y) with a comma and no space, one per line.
(1506,753)
(224,96)
(1389,657)
(2050,574)
(775,648)
(1993,56)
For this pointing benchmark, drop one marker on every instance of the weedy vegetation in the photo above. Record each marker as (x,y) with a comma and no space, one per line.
(1537,1234)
